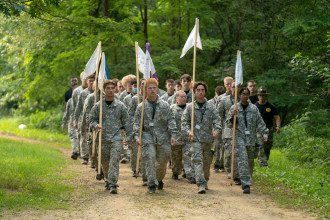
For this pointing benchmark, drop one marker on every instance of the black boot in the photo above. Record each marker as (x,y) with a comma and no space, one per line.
(152,189)
(246,189)
(175,176)
(160,185)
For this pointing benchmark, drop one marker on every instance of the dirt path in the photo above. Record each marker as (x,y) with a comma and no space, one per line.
(178,200)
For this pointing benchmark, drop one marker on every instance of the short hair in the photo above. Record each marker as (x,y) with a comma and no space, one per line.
(115,80)
(198,84)
(243,89)
(186,77)
(134,81)
(126,79)
(91,77)
(169,81)
(250,81)
(220,90)
(178,93)
(107,82)
(228,78)
(150,81)
(177,82)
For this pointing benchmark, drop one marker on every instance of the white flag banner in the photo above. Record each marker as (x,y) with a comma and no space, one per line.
(90,67)
(238,70)
(141,60)
(102,73)
(190,41)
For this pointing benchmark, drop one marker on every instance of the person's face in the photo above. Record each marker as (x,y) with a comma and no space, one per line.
(228,85)
(90,83)
(252,87)
(262,98)
(129,86)
(200,92)
(152,91)
(181,99)
(244,97)
(185,84)
(120,87)
(73,82)
(178,87)
(109,91)
(170,88)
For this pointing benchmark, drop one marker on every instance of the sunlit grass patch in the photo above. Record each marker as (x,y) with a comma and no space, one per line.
(30,176)
(10,125)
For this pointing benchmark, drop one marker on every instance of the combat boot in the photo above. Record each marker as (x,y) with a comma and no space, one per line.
(160,185)
(237,181)
(246,189)
(175,176)
(152,189)
(201,189)
(113,190)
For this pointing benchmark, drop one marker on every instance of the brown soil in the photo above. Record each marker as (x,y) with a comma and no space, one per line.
(178,199)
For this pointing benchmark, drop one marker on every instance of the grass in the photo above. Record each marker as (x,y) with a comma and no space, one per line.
(30,177)
(293,185)
(10,125)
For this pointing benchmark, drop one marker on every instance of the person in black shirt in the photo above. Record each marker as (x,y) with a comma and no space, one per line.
(251,85)
(269,114)
(73,85)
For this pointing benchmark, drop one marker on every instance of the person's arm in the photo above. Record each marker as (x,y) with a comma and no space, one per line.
(277,123)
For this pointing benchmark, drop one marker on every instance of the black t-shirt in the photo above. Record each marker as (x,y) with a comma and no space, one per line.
(68,95)
(267,112)
(254,99)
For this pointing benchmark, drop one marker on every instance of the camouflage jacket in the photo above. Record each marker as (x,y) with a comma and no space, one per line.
(114,118)
(206,120)
(158,129)
(88,105)
(172,99)
(161,92)
(223,108)
(67,116)
(127,100)
(165,97)
(249,123)
(75,95)
(132,108)
(122,95)
(77,117)
(177,111)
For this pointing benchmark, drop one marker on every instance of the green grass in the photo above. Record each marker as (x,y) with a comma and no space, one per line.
(10,125)
(30,176)
(294,185)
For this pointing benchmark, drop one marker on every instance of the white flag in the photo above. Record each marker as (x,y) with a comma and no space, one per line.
(190,41)
(141,60)
(239,70)
(101,77)
(145,63)
(90,67)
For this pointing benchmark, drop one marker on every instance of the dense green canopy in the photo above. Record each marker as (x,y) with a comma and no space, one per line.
(284,44)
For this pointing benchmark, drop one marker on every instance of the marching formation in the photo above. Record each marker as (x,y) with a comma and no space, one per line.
(151,129)
(134,120)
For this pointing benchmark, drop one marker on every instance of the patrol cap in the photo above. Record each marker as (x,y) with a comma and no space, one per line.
(262,91)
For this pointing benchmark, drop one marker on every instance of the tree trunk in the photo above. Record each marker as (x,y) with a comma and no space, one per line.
(106,4)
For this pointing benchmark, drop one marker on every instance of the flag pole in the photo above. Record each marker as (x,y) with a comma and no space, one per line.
(193,82)
(234,130)
(95,99)
(137,168)
(100,132)
(140,132)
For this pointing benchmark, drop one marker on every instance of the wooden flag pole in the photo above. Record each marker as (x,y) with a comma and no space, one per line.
(100,132)
(140,132)
(193,82)
(95,100)
(234,134)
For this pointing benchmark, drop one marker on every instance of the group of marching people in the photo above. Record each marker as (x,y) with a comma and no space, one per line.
(161,126)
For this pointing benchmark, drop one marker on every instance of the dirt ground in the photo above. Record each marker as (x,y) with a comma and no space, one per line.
(178,200)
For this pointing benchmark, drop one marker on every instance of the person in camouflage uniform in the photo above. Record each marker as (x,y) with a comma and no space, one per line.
(224,105)
(114,118)
(207,127)
(126,82)
(185,81)
(75,95)
(169,90)
(67,121)
(78,118)
(158,133)
(181,155)
(218,147)
(227,82)
(249,123)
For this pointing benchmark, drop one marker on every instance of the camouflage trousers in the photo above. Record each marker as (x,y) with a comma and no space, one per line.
(155,158)
(92,158)
(264,148)
(84,147)
(244,161)
(228,153)
(110,160)
(124,151)
(133,147)
(202,159)
(219,153)
(176,158)
(72,133)
(188,165)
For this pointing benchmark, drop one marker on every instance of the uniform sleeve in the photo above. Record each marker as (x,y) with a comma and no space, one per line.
(136,125)
(126,122)
(94,116)
(261,126)
(229,117)
(171,123)
(216,120)
(66,115)
(78,109)
(186,120)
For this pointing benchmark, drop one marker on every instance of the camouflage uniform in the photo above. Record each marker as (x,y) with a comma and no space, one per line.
(67,120)
(78,118)
(114,117)
(172,99)
(75,95)
(249,123)
(123,95)
(181,151)
(223,108)
(206,120)
(166,96)
(127,101)
(158,128)
(161,92)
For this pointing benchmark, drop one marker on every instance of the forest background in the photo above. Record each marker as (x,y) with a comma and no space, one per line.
(285,47)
